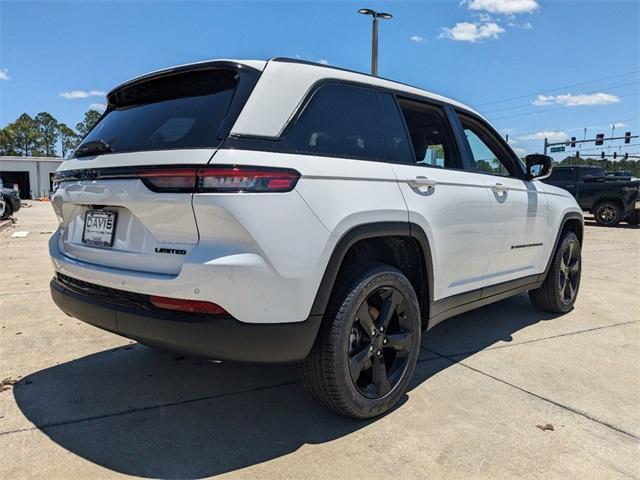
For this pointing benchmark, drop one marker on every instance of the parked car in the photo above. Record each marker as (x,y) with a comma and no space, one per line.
(610,199)
(285,211)
(9,202)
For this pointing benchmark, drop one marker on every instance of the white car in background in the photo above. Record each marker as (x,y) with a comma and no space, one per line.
(284,211)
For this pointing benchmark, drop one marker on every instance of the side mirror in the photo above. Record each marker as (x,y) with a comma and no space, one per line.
(538,166)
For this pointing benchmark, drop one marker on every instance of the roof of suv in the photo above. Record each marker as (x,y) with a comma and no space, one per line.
(283,86)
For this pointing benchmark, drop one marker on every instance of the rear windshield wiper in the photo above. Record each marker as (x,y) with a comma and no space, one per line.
(95,146)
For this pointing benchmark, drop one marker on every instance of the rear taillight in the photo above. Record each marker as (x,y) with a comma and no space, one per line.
(221,179)
(170,180)
(246,179)
(186,306)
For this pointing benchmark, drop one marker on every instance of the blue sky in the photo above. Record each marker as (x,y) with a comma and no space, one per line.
(497,56)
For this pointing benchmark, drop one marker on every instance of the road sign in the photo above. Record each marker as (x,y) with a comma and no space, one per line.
(557,149)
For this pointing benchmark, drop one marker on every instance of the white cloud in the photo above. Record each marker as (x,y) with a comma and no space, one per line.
(417,39)
(549,134)
(542,100)
(505,7)
(578,100)
(619,125)
(323,61)
(527,26)
(101,107)
(4,74)
(73,94)
(521,152)
(472,32)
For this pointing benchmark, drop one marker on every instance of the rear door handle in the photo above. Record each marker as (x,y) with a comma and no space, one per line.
(499,188)
(421,182)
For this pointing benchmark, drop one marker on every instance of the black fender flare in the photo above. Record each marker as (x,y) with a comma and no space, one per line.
(363,232)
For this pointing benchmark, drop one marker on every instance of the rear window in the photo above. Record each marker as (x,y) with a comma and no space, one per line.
(176,111)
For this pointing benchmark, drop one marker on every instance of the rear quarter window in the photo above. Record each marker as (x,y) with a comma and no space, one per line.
(172,112)
(339,120)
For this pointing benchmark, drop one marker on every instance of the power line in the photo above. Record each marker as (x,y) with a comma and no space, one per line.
(570,129)
(559,88)
(609,147)
(551,109)
(586,93)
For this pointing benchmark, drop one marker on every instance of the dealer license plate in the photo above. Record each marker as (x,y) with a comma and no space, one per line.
(99,227)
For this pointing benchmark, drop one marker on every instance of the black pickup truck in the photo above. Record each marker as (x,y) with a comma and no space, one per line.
(610,199)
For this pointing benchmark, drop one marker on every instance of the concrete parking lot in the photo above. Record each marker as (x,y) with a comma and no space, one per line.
(89,404)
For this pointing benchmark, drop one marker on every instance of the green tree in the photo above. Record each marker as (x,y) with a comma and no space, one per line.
(22,136)
(68,138)
(7,141)
(47,127)
(90,119)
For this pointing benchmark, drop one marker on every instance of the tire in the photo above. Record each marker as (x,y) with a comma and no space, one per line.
(559,291)
(608,214)
(634,218)
(360,373)
(7,211)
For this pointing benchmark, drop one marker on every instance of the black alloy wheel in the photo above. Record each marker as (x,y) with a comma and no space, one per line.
(569,273)
(559,291)
(366,350)
(379,343)
(608,214)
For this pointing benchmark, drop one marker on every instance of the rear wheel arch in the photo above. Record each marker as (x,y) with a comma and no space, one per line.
(399,244)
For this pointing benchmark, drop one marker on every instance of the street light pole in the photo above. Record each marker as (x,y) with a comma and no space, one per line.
(374,35)
(374,46)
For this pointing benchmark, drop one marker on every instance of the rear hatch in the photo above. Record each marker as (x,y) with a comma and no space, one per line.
(125,199)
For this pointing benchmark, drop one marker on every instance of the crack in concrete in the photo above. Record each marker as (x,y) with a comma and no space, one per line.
(525,342)
(539,397)
(451,358)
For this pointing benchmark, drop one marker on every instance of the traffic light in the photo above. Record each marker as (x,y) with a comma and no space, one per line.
(615,155)
(578,154)
(627,137)
(601,154)
(626,156)
(599,138)
(573,142)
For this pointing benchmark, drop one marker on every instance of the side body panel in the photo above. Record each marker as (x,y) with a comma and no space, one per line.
(455,215)
(519,228)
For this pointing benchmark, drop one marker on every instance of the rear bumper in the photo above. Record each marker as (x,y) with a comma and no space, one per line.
(223,338)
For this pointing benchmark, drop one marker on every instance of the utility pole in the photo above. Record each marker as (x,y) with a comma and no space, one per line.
(374,35)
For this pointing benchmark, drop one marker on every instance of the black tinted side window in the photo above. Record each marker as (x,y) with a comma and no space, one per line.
(339,120)
(397,143)
(430,140)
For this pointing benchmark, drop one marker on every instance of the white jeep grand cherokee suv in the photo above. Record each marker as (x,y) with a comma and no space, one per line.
(285,211)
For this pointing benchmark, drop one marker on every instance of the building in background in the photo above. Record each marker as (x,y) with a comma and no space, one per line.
(32,175)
